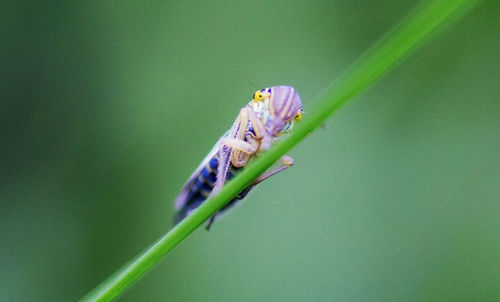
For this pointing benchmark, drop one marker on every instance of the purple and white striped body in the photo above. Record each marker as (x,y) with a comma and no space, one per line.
(271,113)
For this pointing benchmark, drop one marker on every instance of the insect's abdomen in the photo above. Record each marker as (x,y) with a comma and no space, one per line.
(203,185)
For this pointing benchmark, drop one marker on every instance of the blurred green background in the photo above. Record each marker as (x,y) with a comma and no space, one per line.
(108,107)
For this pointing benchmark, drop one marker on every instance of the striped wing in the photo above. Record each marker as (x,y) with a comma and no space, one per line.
(209,178)
(186,193)
(203,181)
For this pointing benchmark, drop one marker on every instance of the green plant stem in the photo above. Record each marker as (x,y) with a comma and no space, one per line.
(405,38)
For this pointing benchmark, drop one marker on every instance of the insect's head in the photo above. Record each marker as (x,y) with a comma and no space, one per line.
(285,108)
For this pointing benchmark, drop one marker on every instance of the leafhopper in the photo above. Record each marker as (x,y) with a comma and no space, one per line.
(271,113)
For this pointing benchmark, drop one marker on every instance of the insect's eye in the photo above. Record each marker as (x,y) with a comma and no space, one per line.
(298,116)
(258,96)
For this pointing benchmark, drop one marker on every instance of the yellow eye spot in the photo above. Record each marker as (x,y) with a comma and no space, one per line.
(258,96)
(298,115)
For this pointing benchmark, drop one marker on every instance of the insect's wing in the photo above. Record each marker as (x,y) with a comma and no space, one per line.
(224,156)
(222,153)
(184,196)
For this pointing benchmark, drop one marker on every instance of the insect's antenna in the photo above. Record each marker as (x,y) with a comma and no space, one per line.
(253,83)
(248,82)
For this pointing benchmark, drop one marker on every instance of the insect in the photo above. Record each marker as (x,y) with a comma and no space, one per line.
(271,113)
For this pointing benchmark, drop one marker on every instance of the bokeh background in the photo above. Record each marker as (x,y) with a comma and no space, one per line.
(107,107)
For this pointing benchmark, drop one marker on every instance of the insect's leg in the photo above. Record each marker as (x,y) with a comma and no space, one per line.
(259,130)
(238,145)
(243,145)
(210,222)
(232,148)
(226,152)
(257,125)
(287,162)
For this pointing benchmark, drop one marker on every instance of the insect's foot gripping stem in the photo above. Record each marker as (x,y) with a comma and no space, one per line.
(286,160)
(210,222)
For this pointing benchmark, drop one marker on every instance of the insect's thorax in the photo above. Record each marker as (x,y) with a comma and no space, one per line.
(261,109)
